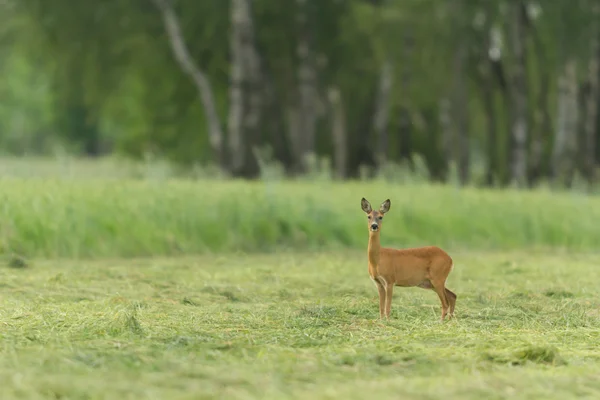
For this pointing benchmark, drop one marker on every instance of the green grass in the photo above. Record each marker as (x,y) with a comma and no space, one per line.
(128,218)
(298,325)
(79,168)
(266,292)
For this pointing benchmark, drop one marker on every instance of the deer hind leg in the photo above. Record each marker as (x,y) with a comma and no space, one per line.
(451,300)
(450,296)
(439,288)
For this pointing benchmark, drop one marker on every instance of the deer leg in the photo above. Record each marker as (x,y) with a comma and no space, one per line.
(452,302)
(389,292)
(439,288)
(381,290)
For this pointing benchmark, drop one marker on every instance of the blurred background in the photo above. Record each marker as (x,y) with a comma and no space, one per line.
(483,92)
(237,137)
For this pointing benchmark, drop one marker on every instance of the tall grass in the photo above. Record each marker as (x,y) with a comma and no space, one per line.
(103,217)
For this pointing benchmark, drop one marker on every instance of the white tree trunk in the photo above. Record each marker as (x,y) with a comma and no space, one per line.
(236,90)
(519,101)
(591,106)
(487,87)
(565,142)
(405,120)
(445,121)
(187,64)
(304,133)
(338,132)
(461,114)
(382,111)
(245,91)
(458,124)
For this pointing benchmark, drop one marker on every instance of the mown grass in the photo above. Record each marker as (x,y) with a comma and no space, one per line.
(268,295)
(103,217)
(298,325)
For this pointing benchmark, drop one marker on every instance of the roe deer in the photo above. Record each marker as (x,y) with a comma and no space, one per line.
(424,267)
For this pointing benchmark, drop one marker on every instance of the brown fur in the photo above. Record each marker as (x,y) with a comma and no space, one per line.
(425,267)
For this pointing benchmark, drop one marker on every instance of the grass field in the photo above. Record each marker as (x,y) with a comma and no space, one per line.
(128,218)
(298,325)
(126,283)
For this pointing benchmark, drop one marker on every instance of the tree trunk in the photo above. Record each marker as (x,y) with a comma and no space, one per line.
(591,101)
(338,132)
(490,52)
(565,142)
(460,112)
(304,118)
(541,117)
(275,124)
(519,125)
(187,64)
(542,129)
(236,87)
(459,118)
(445,122)
(487,96)
(405,117)
(382,112)
(245,92)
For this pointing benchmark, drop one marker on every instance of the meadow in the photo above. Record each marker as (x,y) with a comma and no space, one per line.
(136,288)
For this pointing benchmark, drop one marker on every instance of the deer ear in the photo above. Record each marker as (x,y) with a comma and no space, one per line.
(385,206)
(365,205)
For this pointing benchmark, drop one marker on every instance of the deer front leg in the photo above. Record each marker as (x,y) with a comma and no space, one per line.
(381,290)
(389,292)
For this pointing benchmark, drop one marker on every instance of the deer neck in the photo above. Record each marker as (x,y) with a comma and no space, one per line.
(374,249)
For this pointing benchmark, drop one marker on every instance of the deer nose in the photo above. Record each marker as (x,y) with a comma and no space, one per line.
(374,227)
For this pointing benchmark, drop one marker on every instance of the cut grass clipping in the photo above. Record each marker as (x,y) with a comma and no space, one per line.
(531,353)
(298,326)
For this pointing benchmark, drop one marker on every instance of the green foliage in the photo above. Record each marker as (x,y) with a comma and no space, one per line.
(25,109)
(25,115)
(101,77)
(298,325)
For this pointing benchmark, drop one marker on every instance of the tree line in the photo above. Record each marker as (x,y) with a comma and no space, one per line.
(507,86)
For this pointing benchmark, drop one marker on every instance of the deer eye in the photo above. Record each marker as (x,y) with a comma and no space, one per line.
(368,216)
(380,217)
